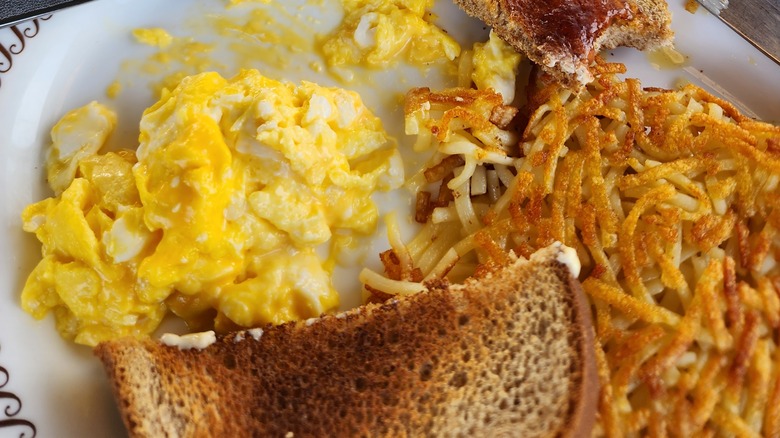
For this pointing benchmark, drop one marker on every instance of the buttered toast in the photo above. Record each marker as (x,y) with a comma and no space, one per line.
(511,353)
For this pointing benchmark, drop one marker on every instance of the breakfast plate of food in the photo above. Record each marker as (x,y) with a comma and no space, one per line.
(387,217)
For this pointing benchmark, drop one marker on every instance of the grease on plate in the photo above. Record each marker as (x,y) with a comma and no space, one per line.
(347,41)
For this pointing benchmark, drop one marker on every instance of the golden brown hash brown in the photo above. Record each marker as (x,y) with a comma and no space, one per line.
(670,199)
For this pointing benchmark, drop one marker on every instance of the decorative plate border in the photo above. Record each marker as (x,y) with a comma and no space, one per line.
(12,45)
(11,406)
(21,33)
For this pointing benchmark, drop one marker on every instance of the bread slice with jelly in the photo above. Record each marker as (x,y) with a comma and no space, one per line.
(564,36)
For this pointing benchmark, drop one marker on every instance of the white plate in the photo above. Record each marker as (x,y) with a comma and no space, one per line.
(51,388)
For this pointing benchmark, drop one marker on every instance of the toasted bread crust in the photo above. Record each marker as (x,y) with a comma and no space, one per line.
(512,353)
(563,36)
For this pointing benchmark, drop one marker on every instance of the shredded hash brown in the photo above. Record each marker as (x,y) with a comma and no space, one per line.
(670,199)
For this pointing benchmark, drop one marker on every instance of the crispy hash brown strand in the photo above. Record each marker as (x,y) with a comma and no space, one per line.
(671,201)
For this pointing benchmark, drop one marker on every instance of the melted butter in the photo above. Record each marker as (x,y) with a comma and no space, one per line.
(562,254)
(190,341)
(666,58)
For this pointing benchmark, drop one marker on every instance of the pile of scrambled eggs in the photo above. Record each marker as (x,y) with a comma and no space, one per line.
(216,217)
(378,32)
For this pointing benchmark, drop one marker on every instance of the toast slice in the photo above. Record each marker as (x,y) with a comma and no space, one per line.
(564,36)
(509,354)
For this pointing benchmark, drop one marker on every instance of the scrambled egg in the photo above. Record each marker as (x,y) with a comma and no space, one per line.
(154,37)
(216,217)
(70,143)
(495,67)
(378,32)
